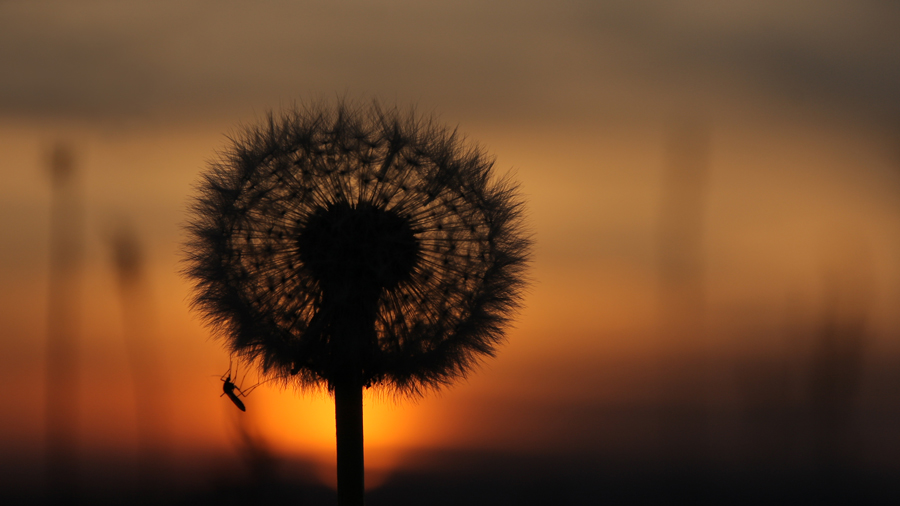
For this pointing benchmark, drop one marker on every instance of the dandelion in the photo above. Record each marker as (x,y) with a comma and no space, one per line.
(348,247)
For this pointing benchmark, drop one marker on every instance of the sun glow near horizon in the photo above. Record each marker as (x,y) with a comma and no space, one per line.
(302,425)
(589,320)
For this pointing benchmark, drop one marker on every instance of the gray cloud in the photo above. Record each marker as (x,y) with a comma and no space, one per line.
(104,58)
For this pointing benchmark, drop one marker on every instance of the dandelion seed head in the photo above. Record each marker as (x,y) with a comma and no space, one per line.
(335,235)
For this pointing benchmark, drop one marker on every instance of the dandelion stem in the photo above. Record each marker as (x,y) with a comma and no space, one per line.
(348,416)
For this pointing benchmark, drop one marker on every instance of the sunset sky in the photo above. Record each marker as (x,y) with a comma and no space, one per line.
(789,110)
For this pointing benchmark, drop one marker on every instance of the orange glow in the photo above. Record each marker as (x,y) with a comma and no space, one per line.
(303,426)
(778,330)
(588,339)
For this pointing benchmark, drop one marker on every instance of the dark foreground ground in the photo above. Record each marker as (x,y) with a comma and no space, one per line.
(494,479)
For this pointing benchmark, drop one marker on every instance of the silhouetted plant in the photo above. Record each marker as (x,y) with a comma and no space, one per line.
(350,247)
(148,374)
(63,319)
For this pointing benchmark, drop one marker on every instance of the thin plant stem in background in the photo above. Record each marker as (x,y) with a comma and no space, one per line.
(349,247)
(683,367)
(66,223)
(147,371)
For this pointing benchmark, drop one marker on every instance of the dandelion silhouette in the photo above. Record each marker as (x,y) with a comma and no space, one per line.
(350,247)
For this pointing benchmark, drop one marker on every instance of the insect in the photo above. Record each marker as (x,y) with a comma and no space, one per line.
(230,388)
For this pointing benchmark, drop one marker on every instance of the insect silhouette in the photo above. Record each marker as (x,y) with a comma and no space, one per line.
(230,388)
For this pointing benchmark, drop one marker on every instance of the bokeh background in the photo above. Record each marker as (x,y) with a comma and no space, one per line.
(713,189)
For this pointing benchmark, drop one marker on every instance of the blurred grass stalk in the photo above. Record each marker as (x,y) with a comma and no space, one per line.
(63,320)
(683,365)
(139,326)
